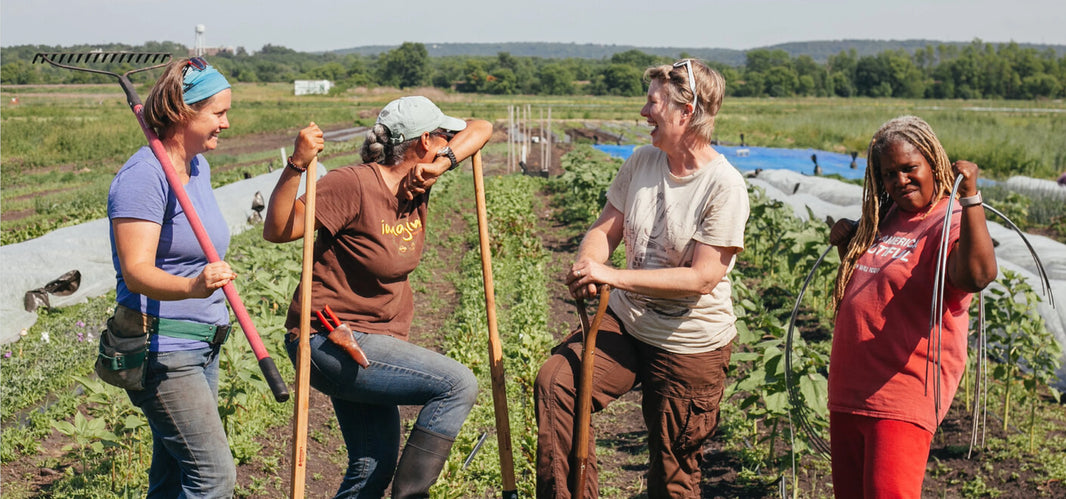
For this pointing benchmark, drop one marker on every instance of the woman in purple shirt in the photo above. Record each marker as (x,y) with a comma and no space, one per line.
(167,289)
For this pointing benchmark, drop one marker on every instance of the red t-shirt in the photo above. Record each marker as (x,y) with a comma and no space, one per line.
(880,340)
(369,242)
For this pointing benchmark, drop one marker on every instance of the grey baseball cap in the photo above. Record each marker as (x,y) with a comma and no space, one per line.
(409,117)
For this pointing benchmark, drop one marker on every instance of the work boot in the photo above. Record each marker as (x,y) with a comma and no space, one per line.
(421,462)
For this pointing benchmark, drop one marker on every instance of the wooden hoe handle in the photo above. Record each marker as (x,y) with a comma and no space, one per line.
(303,348)
(499,386)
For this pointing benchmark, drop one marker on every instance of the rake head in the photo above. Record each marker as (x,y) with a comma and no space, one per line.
(67,60)
(102,57)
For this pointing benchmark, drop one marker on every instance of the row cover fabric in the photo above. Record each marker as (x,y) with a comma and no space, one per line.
(86,247)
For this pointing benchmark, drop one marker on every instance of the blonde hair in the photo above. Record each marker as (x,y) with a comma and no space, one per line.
(165,105)
(710,89)
(875,199)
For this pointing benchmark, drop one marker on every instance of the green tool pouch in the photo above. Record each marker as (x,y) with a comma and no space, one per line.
(122,352)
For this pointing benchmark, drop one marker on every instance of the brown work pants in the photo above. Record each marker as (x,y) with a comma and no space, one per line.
(680,407)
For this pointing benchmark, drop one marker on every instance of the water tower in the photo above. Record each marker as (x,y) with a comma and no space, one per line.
(198,49)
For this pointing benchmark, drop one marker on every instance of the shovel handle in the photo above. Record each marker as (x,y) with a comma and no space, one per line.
(583,413)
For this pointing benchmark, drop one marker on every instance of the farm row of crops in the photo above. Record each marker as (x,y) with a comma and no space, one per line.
(106,446)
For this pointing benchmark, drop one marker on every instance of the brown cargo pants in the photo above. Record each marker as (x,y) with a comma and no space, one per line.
(680,407)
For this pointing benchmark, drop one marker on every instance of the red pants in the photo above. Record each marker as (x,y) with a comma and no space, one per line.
(877,458)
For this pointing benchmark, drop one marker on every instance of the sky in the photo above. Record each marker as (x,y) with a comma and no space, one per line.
(322,25)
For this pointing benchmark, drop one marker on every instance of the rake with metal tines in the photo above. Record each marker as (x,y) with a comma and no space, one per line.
(67,60)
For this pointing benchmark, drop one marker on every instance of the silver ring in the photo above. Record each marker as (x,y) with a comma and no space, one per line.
(577,273)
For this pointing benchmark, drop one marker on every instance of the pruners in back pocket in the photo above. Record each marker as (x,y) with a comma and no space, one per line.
(341,335)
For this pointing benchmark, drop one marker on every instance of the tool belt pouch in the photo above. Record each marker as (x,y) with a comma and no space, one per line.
(123,347)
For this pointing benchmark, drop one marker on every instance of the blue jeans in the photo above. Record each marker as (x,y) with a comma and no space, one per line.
(190,453)
(366,401)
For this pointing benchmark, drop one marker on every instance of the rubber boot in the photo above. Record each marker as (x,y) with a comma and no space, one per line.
(421,462)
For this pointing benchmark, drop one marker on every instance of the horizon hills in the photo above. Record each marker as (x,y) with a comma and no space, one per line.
(819,50)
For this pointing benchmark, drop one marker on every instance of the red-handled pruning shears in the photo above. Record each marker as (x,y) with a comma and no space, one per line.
(341,335)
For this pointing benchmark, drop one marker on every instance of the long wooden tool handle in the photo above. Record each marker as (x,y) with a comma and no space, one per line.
(303,348)
(266,364)
(583,413)
(499,387)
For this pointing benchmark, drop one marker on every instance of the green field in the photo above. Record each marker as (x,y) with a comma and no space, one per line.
(62,144)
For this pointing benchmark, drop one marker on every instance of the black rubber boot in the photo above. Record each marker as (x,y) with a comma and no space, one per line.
(421,462)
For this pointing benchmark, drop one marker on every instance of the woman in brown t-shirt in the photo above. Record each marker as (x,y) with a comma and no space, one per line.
(371,221)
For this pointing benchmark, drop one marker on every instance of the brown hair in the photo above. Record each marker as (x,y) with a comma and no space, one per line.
(165,105)
(875,199)
(710,89)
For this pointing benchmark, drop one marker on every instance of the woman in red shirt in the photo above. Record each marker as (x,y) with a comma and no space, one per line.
(889,388)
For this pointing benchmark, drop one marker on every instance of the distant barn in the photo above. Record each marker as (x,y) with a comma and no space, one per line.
(310,87)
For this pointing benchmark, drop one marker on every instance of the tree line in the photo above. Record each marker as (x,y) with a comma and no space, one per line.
(945,71)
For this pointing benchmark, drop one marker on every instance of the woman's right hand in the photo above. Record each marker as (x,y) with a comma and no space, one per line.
(214,276)
(309,142)
(842,232)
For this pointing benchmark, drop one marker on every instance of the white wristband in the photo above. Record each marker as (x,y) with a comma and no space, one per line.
(968,201)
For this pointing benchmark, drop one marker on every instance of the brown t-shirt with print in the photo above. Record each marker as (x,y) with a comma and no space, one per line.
(369,242)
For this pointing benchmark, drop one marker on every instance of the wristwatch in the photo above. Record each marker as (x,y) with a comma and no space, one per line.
(447,151)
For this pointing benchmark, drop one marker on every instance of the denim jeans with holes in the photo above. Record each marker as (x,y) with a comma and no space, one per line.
(366,401)
(190,454)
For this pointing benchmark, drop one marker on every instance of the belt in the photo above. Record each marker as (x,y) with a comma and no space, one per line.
(213,334)
(134,322)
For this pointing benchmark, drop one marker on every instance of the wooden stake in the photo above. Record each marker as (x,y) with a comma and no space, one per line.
(303,349)
(499,387)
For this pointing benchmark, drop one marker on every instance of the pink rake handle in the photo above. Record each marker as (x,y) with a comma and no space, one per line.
(266,364)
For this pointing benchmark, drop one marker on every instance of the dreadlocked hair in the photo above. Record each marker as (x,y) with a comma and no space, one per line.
(875,199)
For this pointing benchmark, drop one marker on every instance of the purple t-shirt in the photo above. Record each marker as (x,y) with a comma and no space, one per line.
(140,190)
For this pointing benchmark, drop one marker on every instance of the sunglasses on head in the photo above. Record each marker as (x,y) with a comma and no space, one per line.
(197,63)
(691,79)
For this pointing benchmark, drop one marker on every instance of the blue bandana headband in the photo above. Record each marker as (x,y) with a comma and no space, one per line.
(201,84)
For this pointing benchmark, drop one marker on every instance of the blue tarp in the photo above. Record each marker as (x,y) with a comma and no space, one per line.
(772,158)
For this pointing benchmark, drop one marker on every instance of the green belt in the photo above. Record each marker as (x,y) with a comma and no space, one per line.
(215,335)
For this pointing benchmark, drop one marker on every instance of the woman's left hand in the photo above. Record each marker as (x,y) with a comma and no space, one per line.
(585,276)
(969,172)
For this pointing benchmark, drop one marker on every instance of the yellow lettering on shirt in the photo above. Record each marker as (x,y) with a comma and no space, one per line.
(404,230)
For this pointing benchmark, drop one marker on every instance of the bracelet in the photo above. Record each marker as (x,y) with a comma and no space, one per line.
(292,165)
(969,201)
